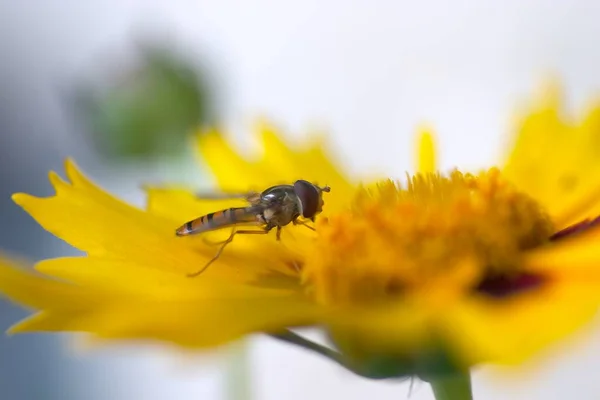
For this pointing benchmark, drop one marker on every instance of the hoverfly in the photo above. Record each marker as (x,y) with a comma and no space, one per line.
(275,207)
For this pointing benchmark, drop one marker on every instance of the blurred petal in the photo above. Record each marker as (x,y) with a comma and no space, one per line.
(512,330)
(473,329)
(397,329)
(573,259)
(183,314)
(34,291)
(278,164)
(426,161)
(555,160)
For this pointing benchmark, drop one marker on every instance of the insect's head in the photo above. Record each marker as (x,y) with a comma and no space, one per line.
(310,197)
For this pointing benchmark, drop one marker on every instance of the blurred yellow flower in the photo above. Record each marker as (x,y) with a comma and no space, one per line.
(439,271)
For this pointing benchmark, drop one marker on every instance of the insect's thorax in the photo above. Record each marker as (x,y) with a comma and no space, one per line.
(281,205)
(277,192)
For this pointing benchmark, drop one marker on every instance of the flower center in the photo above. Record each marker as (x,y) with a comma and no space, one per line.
(455,234)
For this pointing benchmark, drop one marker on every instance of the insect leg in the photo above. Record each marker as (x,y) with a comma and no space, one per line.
(304,223)
(224,244)
(278,233)
(222,241)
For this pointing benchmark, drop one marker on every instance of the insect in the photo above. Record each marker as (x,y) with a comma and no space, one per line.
(275,207)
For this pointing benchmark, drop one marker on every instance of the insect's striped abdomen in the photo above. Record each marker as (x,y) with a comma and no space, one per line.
(216,220)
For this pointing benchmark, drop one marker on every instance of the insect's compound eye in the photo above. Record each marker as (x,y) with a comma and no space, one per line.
(310,197)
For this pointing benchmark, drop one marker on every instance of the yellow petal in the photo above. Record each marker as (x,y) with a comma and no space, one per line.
(575,259)
(509,331)
(189,323)
(311,161)
(472,329)
(118,276)
(232,172)
(555,160)
(180,314)
(95,222)
(278,164)
(426,159)
(35,291)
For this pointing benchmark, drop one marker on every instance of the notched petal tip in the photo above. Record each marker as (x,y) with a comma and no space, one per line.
(210,142)
(207,135)
(549,92)
(270,136)
(263,125)
(272,143)
(73,172)
(57,182)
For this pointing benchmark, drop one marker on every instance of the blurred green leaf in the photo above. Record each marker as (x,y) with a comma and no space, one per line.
(151,110)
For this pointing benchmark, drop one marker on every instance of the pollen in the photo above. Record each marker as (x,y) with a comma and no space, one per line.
(454,233)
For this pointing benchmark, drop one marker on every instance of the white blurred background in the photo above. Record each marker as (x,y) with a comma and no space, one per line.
(368,72)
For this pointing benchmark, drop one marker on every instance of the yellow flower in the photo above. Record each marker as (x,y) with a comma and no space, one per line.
(441,271)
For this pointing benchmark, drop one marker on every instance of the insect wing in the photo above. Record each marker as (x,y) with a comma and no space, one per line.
(251,197)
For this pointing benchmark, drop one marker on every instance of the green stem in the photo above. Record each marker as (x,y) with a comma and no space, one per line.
(333,355)
(454,387)
(293,338)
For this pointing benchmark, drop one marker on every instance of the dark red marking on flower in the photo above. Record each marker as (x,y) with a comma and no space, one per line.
(504,286)
(575,229)
(501,286)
